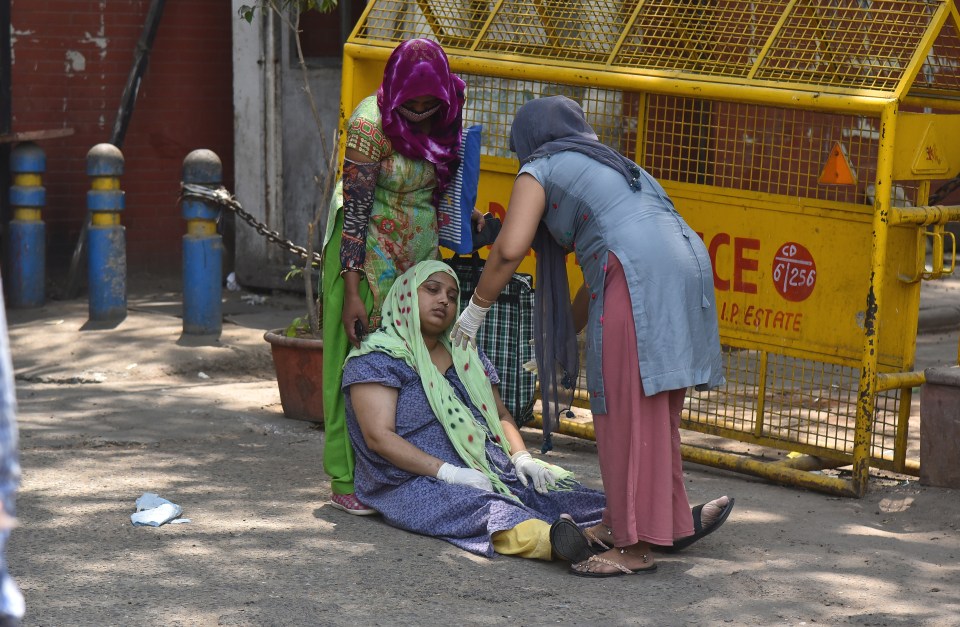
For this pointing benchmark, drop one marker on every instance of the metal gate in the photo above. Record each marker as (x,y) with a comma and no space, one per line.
(800,138)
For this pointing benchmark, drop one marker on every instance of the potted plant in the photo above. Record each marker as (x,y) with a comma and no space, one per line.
(297,354)
(297,350)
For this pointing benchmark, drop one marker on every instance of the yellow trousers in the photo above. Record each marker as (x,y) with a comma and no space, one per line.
(530,539)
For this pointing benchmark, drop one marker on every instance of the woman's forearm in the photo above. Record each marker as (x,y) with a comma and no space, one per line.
(403,454)
(512,245)
(510,430)
(497,272)
(514,439)
(359,183)
(351,283)
(375,406)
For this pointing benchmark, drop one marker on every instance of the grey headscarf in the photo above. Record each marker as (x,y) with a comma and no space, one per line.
(553,124)
(543,127)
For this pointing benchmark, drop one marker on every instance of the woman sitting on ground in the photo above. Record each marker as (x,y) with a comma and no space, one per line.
(437,453)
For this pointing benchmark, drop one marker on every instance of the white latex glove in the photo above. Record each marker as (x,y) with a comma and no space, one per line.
(466,327)
(449,473)
(526,467)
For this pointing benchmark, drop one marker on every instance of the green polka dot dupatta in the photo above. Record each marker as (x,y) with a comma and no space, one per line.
(399,336)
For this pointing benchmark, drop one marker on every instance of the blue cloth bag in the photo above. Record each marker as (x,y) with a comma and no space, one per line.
(458,202)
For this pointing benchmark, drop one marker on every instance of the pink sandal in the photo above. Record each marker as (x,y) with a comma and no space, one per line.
(349,504)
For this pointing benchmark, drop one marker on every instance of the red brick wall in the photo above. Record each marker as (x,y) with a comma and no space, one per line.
(71,59)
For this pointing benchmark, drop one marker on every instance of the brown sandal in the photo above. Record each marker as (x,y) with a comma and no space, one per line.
(595,540)
(595,559)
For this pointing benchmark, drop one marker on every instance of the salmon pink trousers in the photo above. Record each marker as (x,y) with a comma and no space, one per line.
(638,439)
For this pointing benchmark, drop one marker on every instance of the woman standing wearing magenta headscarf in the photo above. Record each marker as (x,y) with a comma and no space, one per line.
(651,320)
(402,152)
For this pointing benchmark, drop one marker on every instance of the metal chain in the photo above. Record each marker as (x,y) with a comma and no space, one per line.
(225,199)
(944,190)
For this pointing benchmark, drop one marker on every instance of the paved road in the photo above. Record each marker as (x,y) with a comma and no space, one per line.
(107,414)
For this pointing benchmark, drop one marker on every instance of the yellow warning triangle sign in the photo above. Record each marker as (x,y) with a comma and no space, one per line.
(930,158)
(837,170)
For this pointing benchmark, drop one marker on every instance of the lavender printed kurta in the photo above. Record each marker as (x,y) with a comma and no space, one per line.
(462,515)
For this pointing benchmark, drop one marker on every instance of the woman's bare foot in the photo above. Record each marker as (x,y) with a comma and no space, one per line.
(712,510)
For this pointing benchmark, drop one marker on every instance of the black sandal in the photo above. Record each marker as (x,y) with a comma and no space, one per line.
(698,529)
(568,542)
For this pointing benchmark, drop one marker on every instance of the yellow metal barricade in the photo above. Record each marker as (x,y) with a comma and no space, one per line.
(800,138)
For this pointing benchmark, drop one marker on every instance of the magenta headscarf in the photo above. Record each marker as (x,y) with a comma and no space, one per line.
(419,67)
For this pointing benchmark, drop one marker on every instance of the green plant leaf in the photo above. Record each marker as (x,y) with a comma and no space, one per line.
(247,11)
(323,6)
(293,273)
(297,327)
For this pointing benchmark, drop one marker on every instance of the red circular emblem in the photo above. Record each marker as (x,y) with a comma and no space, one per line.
(794,272)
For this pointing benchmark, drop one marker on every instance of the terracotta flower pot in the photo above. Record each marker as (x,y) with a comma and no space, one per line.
(299,366)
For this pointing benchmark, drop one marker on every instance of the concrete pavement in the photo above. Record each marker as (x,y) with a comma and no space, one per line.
(940,304)
(110,412)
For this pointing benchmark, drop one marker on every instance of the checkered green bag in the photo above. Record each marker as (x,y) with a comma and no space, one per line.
(505,334)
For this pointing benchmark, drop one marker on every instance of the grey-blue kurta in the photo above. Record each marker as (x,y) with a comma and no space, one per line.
(591,210)
(462,515)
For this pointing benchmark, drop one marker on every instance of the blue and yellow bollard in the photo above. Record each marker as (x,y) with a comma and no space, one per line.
(202,248)
(27,270)
(106,237)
